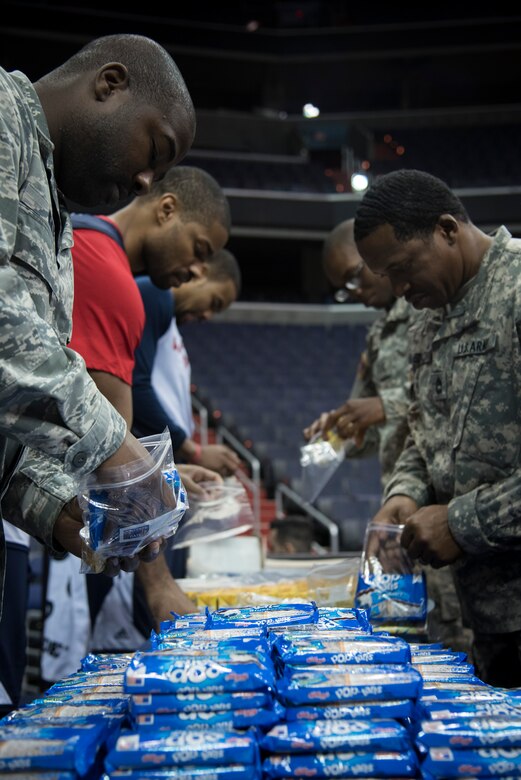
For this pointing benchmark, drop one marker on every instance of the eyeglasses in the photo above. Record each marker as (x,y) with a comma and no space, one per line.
(350,285)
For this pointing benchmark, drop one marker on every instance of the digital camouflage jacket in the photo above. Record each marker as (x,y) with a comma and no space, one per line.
(465,423)
(384,371)
(47,400)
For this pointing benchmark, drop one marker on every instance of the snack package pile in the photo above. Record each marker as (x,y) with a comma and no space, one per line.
(282,690)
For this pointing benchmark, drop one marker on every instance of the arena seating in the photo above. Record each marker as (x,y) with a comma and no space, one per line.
(265,383)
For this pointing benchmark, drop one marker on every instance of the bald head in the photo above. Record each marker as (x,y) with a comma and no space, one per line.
(343,265)
(339,253)
(153,75)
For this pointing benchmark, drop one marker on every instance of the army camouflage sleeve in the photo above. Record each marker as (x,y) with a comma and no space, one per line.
(364,387)
(36,495)
(410,477)
(47,399)
(486,519)
(395,401)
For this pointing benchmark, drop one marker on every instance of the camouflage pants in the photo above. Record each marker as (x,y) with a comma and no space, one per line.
(444,620)
(497,659)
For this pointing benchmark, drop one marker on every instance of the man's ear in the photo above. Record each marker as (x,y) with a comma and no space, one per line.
(167,207)
(449,227)
(199,270)
(109,79)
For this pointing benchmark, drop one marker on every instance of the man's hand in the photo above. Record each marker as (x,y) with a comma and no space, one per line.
(162,592)
(384,545)
(167,599)
(351,420)
(427,537)
(67,533)
(322,424)
(68,526)
(396,510)
(357,416)
(193,475)
(220,458)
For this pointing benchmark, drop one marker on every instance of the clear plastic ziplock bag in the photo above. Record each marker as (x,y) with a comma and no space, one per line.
(390,584)
(131,505)
(223,511)
(319,459)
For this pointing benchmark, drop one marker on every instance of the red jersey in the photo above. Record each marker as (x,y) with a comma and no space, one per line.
(108,316)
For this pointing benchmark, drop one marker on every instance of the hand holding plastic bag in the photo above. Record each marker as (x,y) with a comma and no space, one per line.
(389,583)
(127,507)
(221,511)
(319,459)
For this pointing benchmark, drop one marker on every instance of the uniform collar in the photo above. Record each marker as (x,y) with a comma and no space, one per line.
(33,101)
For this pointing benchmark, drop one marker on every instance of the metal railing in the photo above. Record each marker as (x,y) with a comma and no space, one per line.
(282,489)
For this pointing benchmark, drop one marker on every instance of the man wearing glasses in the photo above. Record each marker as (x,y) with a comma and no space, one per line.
(374,417)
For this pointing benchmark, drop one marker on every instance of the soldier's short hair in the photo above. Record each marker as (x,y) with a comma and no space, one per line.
(153,74)
(341,236)
(200,195)
(411,201)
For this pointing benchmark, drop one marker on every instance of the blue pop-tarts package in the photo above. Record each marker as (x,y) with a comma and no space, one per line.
(459,708)
(87,691)
(43,775)
(166,638)
(161,672)
(437,657)
(395,708)
(391,586)
(487,762)
(211,747)
(449,678)
(259,717)
(112,680)
(341,764)
(322,628)
(346,617)
(159,703)
(499,731)
(77,711)
(68,745)
(450,670)
(303,685)
(463,687)
(187,645)
(195,620)
(105,662)
(326,649)
(266,615)
(335,735)
(396,597)
(228,772)
(84,697)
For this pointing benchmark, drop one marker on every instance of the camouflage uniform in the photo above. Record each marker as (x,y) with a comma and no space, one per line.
(383,372)
(465,422)
(47,400)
